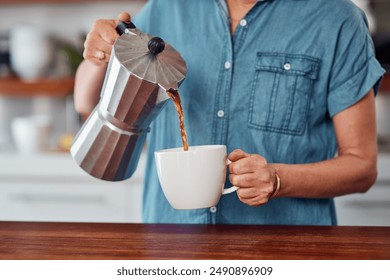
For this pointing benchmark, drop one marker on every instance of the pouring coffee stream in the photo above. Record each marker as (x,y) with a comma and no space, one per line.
(156,45)
(143,73)
(174,95)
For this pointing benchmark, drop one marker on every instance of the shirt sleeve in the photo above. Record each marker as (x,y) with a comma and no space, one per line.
(355,70)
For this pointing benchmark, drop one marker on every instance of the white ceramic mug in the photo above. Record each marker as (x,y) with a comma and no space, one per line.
(195,178)
(31,133)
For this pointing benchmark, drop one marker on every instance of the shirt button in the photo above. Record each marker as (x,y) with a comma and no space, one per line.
(220,113)
(228,65)
(213,209)
(287,66)
(243,22)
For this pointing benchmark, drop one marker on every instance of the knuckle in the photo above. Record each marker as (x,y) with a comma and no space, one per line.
(86,54)
(96,25)
(267,178)
(234,169)
(255,192)
(258,160)
(89,41)
(240,198)
(261,160)
(259,202)
(263,201)
(99,22)
(235,180)
(232,179)
(254,204)
(248,180)
(87,44)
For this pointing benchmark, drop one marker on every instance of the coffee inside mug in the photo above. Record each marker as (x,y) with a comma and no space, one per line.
(195,178)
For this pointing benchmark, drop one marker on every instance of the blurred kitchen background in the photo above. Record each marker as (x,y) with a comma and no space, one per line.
(41,44)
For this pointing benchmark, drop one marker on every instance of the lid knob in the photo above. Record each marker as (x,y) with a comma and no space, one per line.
(156,45)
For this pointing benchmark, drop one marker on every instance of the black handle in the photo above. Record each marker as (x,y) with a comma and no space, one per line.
(122,26)
(156,45)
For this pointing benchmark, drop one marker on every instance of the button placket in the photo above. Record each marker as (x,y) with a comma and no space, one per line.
(219,129)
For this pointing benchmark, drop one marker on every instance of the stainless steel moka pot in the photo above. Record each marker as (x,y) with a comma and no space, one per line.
(140,71)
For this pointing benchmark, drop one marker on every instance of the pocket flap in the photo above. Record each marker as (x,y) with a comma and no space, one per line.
(289,64)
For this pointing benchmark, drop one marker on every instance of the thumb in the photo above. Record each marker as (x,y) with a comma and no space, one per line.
(124,16)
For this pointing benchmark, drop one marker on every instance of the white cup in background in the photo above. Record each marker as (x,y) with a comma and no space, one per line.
(195,178)
(31,133)
(31,51)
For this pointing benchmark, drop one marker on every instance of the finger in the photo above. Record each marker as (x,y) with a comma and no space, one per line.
(255,201)
(124,16)
(109,35)
(237,154)
(106,30)
(243,181)
(247,193)
(242,166)
(96,56)
(253,163)
(96,48)
(94,41)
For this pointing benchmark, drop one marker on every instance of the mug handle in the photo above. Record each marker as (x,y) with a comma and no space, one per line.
(231,189)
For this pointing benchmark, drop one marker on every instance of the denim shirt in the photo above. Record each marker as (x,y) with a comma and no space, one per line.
(271,88)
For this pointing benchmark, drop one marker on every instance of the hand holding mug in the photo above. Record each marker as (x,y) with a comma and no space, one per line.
(254,177)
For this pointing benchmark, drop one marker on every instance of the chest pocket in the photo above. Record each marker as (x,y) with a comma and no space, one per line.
(281,92)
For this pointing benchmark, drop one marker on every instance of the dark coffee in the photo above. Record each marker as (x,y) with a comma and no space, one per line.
(174,95)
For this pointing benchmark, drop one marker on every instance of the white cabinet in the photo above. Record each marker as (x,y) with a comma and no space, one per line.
(371,208)
(54,188)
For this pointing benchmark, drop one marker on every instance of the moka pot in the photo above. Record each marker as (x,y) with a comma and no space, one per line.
(140,71)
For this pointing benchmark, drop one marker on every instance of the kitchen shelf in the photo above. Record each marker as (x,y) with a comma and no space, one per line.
(54,87)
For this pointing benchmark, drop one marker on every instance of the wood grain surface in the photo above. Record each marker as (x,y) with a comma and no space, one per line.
(14,87)
(60,241)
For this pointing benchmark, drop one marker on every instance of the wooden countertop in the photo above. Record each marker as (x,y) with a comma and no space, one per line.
(27,240)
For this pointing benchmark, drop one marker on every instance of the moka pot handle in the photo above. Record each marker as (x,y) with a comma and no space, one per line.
(123,26)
